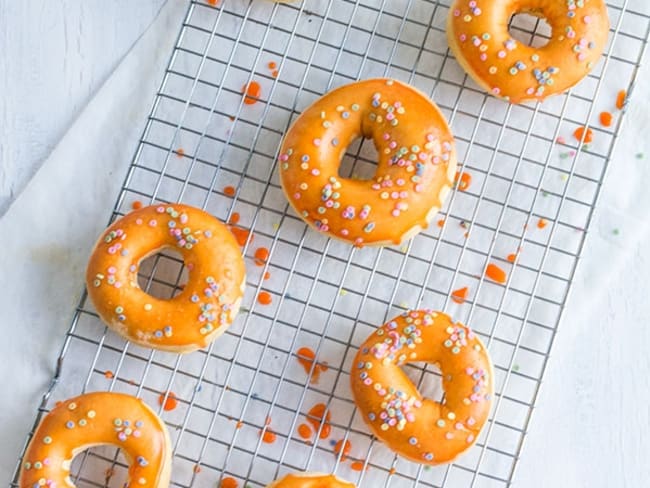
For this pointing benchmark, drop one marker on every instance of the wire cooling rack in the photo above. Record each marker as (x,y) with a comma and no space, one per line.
(532,195)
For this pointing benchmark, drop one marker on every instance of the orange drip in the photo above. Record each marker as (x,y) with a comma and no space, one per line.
(137,204)
(228,482)
(357,466)
(621,98)
(267,275)
(197,468)
(319,414)
(460,295)
(541,223)
(606,119)
(463,181)
(512,257)
(241,235)
(170,403)
(495,273)
(261,256)
(108,375)
(392,471)
(304,431)
(251,92)
(180,152)
(275,73)
(264,298)
(239,424)
(214,3)
(346,447)
(269,436)
(584,135)
(272,65)
(234,218)
(306,358)
(441,222)
(229,191)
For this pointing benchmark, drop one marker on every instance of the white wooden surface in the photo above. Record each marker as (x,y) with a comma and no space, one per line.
(54,55)
(591,425)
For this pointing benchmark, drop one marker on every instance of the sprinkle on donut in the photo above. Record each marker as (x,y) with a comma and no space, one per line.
(415,171)
(415,427)
(478,36)
(201,311)
(98,418)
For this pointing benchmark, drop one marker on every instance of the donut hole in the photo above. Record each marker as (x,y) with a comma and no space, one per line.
(100,466)
(163,274)
(360,160)
(530,29)
(427,378)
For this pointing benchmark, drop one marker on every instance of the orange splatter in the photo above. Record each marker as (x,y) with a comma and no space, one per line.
(343,446)
(241,235)
(512,257)
(264,298)
(269,436)
(251,92)
(541,223)
(304,431)
(463,181)
(357,466)
(460,295)
(267,275)
(239,424)
(234,218)
(275,73)
(606,119)
(621,98)
(495,273)
(170,403)
(137,204)
(441,222)
(317,415)
(261,256)
(228,482)
(180,152)
(392,471)
(306,358)
(584,135)
(197,468)
(272,65)
(229,191)
(108,375)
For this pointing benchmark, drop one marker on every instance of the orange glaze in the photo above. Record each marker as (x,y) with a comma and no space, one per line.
(512,257)
(94,419)
(261,256)
(137,204)
(304,431)
(275,73)
(306,358)
(541,223)
(267,275)
(269,437)
(272,65)
(265,298)
(320,415)
(463,181)
(108,375)
(357,466)
(441,222)
(606,119)
(621,98)
(229,191)
(415,427)
(477,31)
(251,92)
(495,273)
(310,480)
(241,235)
(213,2)
(415,171)
(583,132)
(345,447)
(169,403)
(234,218)
(460,295)
(201,311)
(229,482)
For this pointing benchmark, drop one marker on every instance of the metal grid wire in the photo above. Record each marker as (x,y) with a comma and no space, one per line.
(200,137)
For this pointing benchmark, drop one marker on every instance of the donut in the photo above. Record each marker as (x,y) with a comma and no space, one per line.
(310,480)
(417,428)
(477,31)
(94,419)
(415,171)
(209,300)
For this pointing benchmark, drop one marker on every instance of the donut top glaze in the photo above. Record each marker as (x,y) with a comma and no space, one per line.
(516,71)
(419,428)
(93,419)
(415,170)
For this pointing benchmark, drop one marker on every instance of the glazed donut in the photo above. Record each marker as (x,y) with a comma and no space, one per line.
(477,31)
(417,428)
(310,480)
(207,304)
(95,419)
(415,171)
